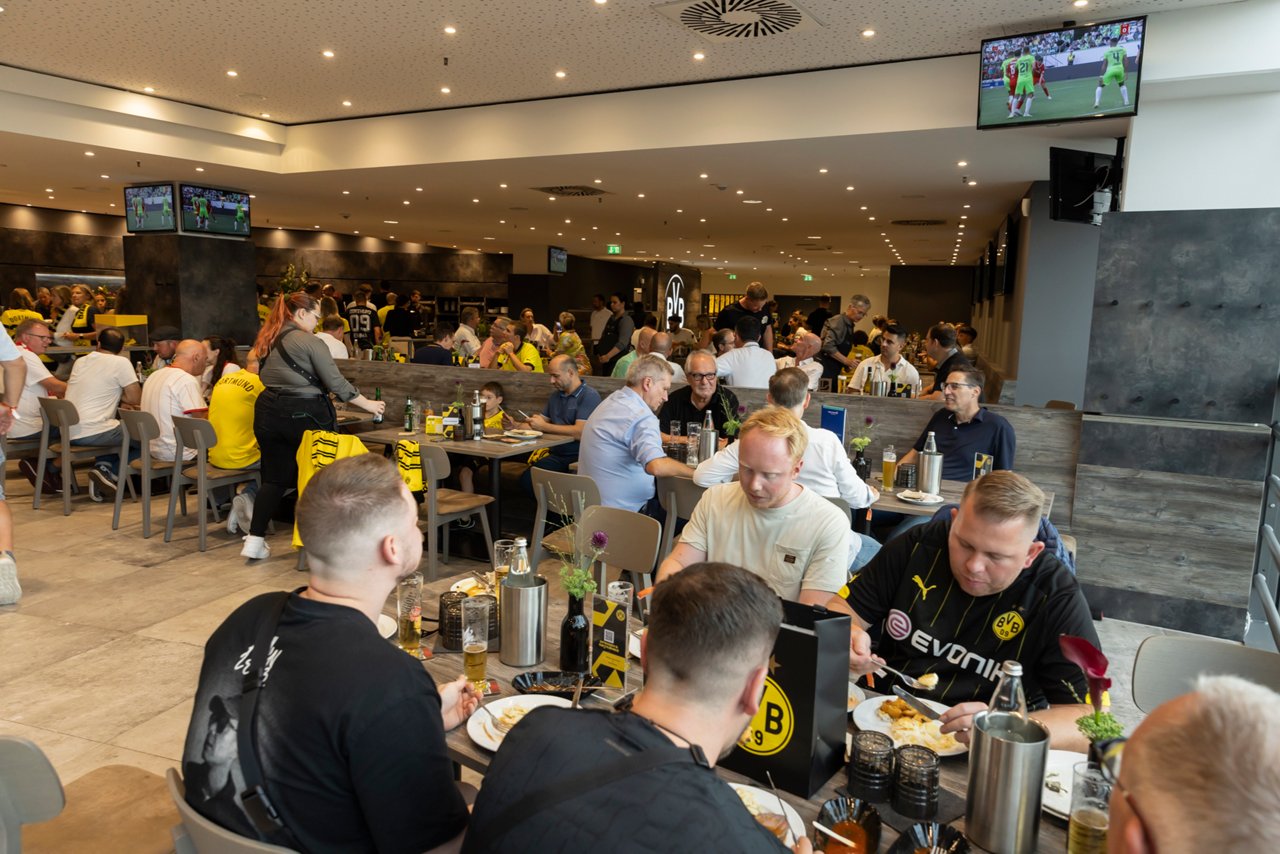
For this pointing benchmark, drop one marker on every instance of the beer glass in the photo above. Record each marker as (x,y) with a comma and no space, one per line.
(694,432)
(1090,794)
(475,641)
(502,550)
(409,612)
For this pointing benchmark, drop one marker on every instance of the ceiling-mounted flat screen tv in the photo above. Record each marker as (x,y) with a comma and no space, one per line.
(1071,74)
(557,261)
(149,207)
(209,210)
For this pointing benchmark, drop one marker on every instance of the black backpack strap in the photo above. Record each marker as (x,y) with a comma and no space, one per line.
(267,820)
(485,837)
(278,347)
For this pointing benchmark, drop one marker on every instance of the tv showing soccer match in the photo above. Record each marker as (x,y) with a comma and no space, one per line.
(209,210)
(149,208)
(557,261)
(1066,75)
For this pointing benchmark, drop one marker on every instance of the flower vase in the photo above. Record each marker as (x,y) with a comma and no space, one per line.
(575,639)
(860,464)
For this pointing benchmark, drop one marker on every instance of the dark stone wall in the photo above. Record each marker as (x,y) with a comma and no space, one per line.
(921,296)
(47,241)
(1185,313)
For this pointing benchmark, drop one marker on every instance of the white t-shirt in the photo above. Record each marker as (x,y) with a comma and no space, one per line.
(903,373)
(28,418)
(802,545)
(599,319)
(336,348)
(749,366)
(170,392)
(95,387)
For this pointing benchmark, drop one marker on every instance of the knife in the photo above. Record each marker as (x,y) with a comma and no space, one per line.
(915,702)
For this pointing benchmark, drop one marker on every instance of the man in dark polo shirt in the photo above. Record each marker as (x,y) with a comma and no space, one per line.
(940,344)
(643,779)
(752,304)
(959,596)
(691,402)
(565,414)
(962,428)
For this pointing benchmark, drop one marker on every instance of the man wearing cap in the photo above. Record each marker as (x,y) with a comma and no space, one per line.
(164,340)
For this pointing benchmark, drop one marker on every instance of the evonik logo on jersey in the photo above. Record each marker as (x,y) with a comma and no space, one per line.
(897,625)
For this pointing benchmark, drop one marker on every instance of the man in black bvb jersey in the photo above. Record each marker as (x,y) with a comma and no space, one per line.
(959,596)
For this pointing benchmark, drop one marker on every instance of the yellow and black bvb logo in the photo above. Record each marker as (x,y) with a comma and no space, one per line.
(1007,625)
(774,722)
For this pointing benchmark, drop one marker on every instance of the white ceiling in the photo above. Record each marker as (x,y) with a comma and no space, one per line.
(389,58)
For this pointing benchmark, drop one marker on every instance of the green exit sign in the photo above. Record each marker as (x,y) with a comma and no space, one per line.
(806,277)
(614,248)
(733,276)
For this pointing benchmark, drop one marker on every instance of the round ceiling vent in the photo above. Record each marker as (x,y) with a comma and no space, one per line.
(741,19)
(571,190)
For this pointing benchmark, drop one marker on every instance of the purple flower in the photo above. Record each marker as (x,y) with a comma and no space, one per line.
(1088,658)
(870,421)
(742,410)
(599,541)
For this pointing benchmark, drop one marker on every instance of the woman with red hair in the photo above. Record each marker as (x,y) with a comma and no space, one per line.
(299,375)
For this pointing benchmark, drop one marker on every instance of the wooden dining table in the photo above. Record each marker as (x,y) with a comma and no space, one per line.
(492,449)
(447,666)
(951,491)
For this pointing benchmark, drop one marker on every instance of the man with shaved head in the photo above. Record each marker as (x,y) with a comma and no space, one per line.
(805,347)
(661,345)
(644,341)
(175,390)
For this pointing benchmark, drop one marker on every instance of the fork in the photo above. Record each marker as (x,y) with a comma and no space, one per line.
(909,681)
(497,722)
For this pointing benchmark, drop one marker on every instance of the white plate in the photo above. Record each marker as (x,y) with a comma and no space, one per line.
(523,434)
(856,696)
(866,716)
(469,586)
(1058,768)
(924,499)
(768,802)
(386,626)
(633,643)
(485,733)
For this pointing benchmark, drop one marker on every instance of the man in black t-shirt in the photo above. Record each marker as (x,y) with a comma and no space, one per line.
(751,305)
(705,659)
(365,330)
(615,341)
(940,344)
(819,316)
(957,598)
(349,729)
(704,392)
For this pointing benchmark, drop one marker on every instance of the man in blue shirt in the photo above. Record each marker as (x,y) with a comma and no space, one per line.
(565,414)
(962,428)
(621,444)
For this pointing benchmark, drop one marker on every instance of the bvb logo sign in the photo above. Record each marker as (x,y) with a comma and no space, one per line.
(674,300)
(774,722)
(1007,625)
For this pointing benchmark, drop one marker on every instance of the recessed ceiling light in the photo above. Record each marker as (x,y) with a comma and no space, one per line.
(450,30)
(490,238)
(964,216)
(232,73)
(699,56)
(703,175)
(639,195)
(199,168)
(866,34)
(814,237)
(1080,4)
(418,189)
(551,198)
(264,115)
(346,103)
(346,192)
(973,183)
(962,225)
(252,196)
(567,221)
(51,197)
(967,206)
(704,219)
(863,208)
(48,189)
(601,2)
(113,204)
(104,176)
(873,219)
(751,201)
(327,54)
(315,226)
(148,89)
(88,154)
(561,75)
(785,219)
(391,222)
(445,90)
(822,171)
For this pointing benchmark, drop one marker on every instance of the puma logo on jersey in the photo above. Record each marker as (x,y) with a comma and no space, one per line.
(924,591)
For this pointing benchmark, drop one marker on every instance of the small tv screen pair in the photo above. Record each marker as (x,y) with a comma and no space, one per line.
(195,209)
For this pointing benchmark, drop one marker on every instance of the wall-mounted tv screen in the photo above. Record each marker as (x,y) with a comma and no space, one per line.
(209,210)
(557,261)
(149,208)
(1071,74)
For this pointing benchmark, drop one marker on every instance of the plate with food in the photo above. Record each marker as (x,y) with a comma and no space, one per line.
(893,717)
(856,696)
(1055,798)
(554,683)
(489,728)
(924,499)
(469,586)
(763,805)
(521,433)
(387,626)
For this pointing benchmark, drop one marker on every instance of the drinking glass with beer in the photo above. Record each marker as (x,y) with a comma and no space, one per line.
(409,612)
(502,550)
(889,467)
(1090,795)
(475,641)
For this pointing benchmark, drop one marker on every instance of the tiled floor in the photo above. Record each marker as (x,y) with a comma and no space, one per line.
(98,662)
